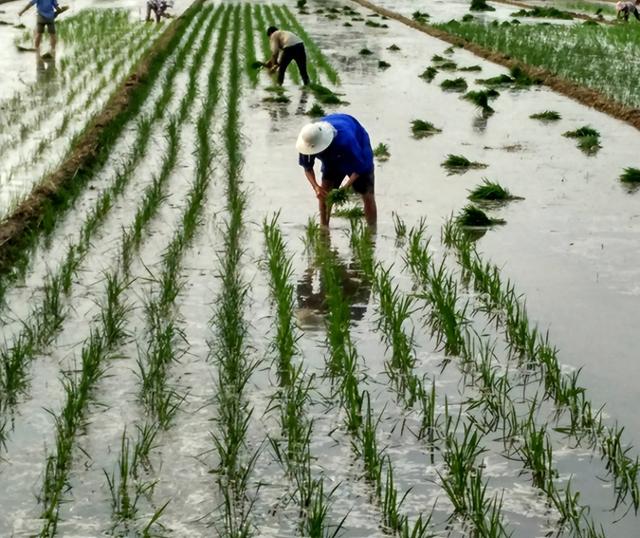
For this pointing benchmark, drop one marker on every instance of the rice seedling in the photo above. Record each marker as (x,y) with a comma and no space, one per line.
(422,129)
(630,175)
(481,99)
(480,5)
(429,74)
(324,95)
(374,24)
(399,226)
(471,215)
(383,65)
(454,85)
(547,115)
(420,16)
(470,68)
(381,152)
(500,80)
(549,12)
(316,111)
(458,164)
(365,52)
(588,139)
(490,191)
(337,197)
(393,47)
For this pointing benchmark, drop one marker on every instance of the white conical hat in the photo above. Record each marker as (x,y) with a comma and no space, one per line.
(315,137)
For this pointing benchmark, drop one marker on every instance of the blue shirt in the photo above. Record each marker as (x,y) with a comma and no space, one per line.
(46,8)
(350,150)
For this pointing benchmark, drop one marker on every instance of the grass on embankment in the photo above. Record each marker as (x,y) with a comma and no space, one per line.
(538,45)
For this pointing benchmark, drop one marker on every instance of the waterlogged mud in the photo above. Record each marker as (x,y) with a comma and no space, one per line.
(569,246)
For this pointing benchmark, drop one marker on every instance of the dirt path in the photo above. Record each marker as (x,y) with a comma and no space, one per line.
(586,96)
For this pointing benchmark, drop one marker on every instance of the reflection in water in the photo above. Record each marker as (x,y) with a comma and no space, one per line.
(45,68)
(480,122)
(302,105)
(311,291)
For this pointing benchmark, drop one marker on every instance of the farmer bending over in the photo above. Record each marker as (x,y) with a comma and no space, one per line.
(627,8)
(47,12)
(159,8)
(285,47)
(344,149)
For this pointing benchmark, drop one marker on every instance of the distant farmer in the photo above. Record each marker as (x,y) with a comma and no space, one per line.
(159,8)
(627,8)
(48,10)
(285,47)
(344,149)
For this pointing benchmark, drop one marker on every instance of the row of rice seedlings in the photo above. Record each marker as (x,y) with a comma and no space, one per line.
(261,27)
(229,348)
(163,326)
(464,488)
(292,396)
(97,349)
(315,54)
(549,12)
(128,485)
(45,319)
(360,420)
(250,45)
(532,347)
(17,260)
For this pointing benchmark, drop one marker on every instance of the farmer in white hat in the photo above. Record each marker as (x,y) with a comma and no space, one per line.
(344,149)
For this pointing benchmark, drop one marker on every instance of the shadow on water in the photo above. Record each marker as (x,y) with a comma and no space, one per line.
(311,290)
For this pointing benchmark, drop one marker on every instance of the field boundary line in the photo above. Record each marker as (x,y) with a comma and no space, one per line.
(28,215)
(584,95)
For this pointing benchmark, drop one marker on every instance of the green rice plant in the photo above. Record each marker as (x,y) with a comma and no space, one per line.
(543,12)
(537,455)
(420,16)
(422,129)
(490,191)
(324,95)
(630,175)
(448,65)
(470,68)
(429,74)
(393,47)
(338,197)
(481,99)
(500,80)
(400,227)
(352,212)
(383,65)
(480,5)
(547,115)
(454,85)
(365,52)
(316,111)
(460,164)
(374,24)
(381,152)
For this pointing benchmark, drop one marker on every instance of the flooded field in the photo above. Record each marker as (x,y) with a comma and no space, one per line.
(187,353)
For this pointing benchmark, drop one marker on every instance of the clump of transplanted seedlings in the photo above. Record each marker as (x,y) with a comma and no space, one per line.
(491,191)
(429,74)
(316,111)
(422,129)
(324,94)
(480,5)
(588,139)
(470,68)
(383,65)
(543,12)
(454,85)
(375,24)
(460,164)
(547,115)
(481,99)
(472,215)
(631,175)
(381,152)
(448,65)
(467,17)
(365,52)
(420,16)
(393,48)
(500,80)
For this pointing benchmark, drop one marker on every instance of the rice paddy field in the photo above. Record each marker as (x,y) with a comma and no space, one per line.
(185,352)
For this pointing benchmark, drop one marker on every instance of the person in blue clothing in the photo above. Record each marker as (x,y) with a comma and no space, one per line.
(343,147)
(48,10)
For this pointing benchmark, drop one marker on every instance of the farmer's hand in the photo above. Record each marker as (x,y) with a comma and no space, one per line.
(321,192)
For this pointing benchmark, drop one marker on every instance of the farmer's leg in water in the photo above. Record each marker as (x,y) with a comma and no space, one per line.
(285,60)
(51,28)
(364,185)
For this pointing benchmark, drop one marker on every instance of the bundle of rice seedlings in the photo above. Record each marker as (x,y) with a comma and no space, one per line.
(422,129)
(393,47)
(467,17)
(454,85)
(429,74)
(471,215)
(460,164)
(383,65)
(256,64)
(500,80)
(543,12)
(316,111)
(381,152)
(490,191)
(582,132)
(448,66)
(365,52)
(470,68)
(481,99)
(547,115)
(480,5)
(353,212)
(337,197)
(437,58)
(324,95)
(420,16)
(630,175)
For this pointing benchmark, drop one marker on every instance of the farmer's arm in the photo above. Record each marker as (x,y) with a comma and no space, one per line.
(274,42)
(25,8)
(306,161)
